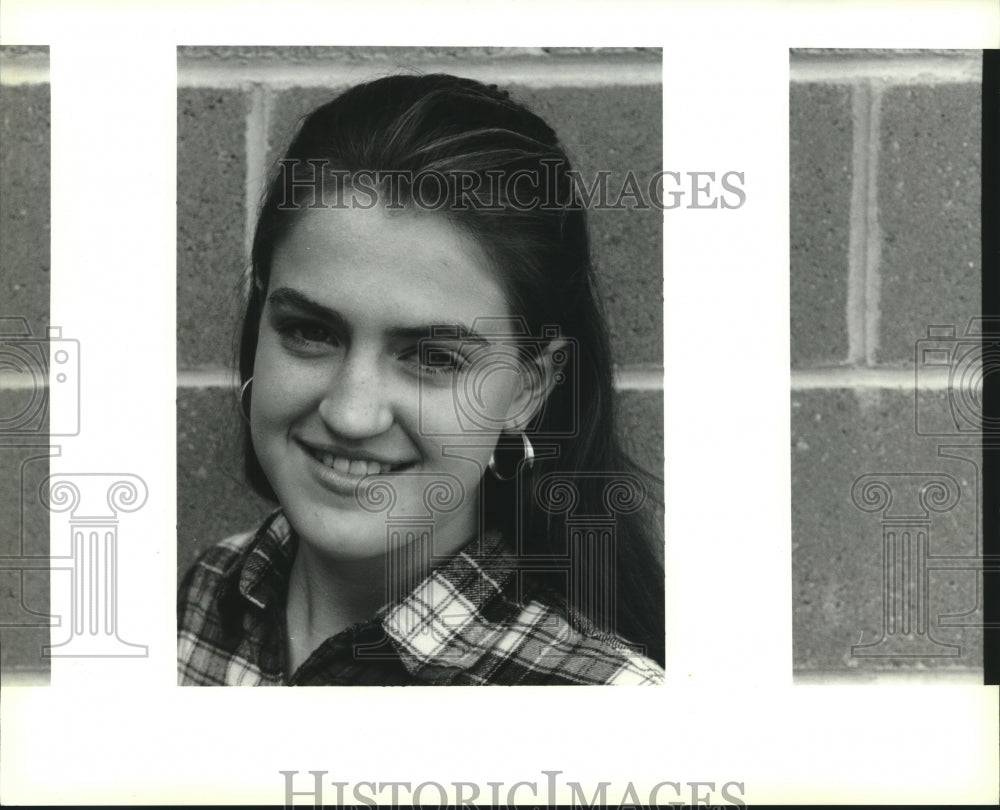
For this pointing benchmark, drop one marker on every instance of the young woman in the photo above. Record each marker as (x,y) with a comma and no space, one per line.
(427,389)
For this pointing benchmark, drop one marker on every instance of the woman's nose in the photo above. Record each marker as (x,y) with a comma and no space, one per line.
(354,405)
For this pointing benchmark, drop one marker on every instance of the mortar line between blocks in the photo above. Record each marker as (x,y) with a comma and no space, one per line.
(651,379)
(870,379)
(257,126)
(628,378)
(529,72)
(207,378)
(23,71)
(857,253)
(639,377)
(873,231)
(906,69)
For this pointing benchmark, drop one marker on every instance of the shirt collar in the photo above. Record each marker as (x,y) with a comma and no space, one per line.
(447,622)
(267,564)
(457,614)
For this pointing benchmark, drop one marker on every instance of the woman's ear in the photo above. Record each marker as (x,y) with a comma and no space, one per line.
(538,377)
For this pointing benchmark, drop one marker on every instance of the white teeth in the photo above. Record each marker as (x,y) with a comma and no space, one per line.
(351,466)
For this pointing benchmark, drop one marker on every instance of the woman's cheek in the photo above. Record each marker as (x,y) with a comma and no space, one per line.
(437,414)
(495,395)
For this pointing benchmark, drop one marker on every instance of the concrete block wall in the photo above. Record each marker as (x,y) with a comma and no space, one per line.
(236,110)
(884,243)
(24,294)
(885,164)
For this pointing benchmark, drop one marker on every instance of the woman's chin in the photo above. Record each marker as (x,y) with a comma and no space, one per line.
(348,540)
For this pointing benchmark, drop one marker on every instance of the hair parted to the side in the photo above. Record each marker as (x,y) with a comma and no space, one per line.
(535,234)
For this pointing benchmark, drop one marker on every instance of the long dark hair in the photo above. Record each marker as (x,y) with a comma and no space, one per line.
(470,139)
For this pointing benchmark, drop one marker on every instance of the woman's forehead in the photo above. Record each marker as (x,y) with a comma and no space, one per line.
(394,268)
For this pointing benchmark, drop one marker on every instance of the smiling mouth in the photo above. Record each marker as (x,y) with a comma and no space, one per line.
(353,466)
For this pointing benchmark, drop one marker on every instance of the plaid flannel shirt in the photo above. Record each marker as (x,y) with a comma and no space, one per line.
(466,624)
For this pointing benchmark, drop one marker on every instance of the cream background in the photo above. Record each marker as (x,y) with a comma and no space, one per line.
(110,731)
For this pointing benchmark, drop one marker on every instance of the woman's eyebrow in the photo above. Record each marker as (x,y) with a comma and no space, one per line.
(292,298)
(287,297)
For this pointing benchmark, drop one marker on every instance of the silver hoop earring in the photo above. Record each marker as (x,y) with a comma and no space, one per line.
(243,390)
(527,462)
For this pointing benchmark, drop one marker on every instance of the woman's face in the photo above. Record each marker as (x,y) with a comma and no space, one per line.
(369,378)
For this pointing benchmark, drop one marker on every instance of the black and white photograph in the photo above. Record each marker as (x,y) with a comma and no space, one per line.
(428,386)
(511,345)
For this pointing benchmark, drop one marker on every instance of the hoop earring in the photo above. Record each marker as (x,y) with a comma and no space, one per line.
(243,390)
(528,461)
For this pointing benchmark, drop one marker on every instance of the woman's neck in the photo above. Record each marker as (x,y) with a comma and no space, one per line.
(327,595)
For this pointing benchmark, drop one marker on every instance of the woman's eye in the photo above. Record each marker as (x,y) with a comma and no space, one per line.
(433,361)
(305,333)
